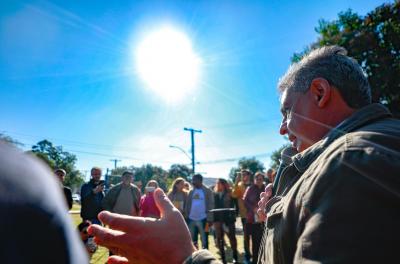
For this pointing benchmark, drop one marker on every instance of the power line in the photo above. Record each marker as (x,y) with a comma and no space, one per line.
(107,155)
(72,142)
(236,159)
(105,146)
(215,161)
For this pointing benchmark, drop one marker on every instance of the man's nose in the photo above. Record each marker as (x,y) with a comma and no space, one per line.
(283,128)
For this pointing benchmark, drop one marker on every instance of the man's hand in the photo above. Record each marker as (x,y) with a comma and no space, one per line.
(99,188)
(145,240)
(265,196)
(238,178)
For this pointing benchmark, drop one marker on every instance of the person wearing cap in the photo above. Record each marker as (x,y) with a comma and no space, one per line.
(60,173)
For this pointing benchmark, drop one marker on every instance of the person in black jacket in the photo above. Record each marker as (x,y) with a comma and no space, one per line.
(67,191)
(224,218)
(92,194)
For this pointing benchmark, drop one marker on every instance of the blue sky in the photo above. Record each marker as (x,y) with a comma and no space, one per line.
(66,74)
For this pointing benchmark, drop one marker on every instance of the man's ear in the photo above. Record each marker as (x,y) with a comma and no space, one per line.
(321,91)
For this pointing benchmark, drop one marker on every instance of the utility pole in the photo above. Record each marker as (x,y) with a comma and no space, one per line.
(192,131)
(107,177)
(115,163)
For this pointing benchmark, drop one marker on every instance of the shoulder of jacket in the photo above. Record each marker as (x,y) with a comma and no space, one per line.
(208,190)
(85,185)
(115,188)
(133,186)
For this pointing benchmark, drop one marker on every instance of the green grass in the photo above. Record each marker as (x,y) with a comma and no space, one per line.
(101,255)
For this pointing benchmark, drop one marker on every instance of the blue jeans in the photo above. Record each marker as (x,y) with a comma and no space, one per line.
(196,227)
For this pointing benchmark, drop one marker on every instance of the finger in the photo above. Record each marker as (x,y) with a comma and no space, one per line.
(106,237)
(260,212)
(123,223)
(264,197)
(163,203)
(261,215)
(117,260)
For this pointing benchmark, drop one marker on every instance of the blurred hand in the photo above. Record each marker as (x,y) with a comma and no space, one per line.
(264,198)
(238,178)
(99,188)
(145,240)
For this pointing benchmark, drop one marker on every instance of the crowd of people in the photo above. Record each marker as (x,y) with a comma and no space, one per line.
(214,208)
(335,197)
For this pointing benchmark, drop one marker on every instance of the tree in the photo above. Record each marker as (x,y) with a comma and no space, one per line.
(276,157)
(55,157)
(115,176)
(374,41)
(149,172)
(179,170)
(251,164)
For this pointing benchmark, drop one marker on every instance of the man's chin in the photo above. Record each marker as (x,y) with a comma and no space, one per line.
(297,146)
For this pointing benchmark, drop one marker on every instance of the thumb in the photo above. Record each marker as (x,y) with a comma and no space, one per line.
(163,203)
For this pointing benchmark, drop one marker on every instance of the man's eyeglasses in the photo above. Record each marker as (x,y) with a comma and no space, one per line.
(287,112)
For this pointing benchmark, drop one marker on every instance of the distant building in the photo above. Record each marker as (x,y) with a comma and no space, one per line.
(209,182)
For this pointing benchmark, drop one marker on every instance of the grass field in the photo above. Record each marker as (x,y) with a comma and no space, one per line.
(101,254)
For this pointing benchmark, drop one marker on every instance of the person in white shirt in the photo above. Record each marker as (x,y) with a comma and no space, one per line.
(197,210)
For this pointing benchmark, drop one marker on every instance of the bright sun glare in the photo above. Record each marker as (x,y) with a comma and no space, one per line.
(167,63)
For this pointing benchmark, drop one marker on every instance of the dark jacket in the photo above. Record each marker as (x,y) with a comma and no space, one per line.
(112,195)
(251,198)
(68,196)
(91,203)
(339,201)
(224,200)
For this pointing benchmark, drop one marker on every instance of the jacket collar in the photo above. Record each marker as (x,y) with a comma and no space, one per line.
(360,118)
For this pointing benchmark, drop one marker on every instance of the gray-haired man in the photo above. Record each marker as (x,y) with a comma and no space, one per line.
(338,202)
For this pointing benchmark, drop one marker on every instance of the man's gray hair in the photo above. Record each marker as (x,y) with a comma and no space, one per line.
(332,64)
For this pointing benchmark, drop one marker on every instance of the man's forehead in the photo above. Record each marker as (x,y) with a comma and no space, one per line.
(287,97)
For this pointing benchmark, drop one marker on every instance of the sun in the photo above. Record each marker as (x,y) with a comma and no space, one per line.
(167,64)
